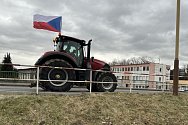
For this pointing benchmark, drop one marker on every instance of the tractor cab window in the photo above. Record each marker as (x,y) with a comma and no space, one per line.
(73,48)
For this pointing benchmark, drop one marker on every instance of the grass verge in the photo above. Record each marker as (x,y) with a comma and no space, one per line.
(94,109)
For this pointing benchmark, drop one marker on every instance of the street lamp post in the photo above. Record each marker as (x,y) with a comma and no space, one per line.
(176,61)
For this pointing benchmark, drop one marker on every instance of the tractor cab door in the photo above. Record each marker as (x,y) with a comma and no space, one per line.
(73,48)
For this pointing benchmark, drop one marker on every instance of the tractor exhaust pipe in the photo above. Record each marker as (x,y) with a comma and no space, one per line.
(88,64)
(88,50)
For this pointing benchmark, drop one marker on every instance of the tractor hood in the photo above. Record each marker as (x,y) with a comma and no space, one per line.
(99,65)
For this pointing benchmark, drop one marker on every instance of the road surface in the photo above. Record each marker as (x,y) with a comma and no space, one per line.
(73,91)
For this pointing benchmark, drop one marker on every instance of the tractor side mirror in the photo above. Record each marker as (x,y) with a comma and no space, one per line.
(55,40)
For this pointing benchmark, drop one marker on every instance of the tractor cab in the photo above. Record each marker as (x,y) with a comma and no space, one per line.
(72,46)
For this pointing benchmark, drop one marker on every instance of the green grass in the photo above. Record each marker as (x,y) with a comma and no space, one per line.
(94,109)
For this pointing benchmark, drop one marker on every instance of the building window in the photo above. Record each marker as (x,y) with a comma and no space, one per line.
(134,68)
(159,79)
(128,68)
(140,78)
(137,68)
(122,69)
(147,78)
(127,77)
(147,68)
(160,69)
(131,68)
(136,78)
(144,68)
(133,77)
(123,77)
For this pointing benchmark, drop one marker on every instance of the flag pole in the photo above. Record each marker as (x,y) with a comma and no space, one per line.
(176,61)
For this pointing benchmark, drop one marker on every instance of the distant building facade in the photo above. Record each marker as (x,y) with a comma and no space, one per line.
(150,75)
(183,75)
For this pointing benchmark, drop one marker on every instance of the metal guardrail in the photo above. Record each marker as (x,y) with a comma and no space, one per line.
(8,74)
(32,75)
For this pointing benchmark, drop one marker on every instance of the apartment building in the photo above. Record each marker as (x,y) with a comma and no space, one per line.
(150,75)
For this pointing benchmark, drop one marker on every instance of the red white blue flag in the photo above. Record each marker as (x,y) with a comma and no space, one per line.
(52,23)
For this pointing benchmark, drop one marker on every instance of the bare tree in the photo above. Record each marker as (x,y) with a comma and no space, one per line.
(147,59)
(114,62)
(133,60)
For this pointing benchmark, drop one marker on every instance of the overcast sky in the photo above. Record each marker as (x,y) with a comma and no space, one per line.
(120,29)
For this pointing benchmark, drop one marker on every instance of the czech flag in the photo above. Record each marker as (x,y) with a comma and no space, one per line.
(51,23)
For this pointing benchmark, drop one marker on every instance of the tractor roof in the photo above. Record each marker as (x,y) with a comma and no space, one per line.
(82,42)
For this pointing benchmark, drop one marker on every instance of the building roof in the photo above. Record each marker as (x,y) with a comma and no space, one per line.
(134,64)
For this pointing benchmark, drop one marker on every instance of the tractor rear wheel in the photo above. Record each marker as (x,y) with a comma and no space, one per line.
(56,78)
(106,87)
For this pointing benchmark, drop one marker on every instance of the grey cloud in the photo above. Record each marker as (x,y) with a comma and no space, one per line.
(119,29)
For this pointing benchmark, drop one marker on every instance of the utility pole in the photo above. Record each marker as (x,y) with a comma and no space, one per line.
(176,61)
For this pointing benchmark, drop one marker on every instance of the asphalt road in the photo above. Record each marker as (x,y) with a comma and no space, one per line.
(73,91)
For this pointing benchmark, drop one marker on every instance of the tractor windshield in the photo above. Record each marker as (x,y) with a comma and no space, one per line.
(73,48)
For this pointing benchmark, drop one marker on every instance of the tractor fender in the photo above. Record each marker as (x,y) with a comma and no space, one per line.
(56,55)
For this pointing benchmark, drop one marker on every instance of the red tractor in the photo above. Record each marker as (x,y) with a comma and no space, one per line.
(70,53)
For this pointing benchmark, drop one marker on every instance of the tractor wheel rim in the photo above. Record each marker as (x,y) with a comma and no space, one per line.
(60,77)
(107,85)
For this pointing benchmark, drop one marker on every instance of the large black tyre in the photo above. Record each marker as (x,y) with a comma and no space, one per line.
(106,87)
(51,73)
(93,88)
